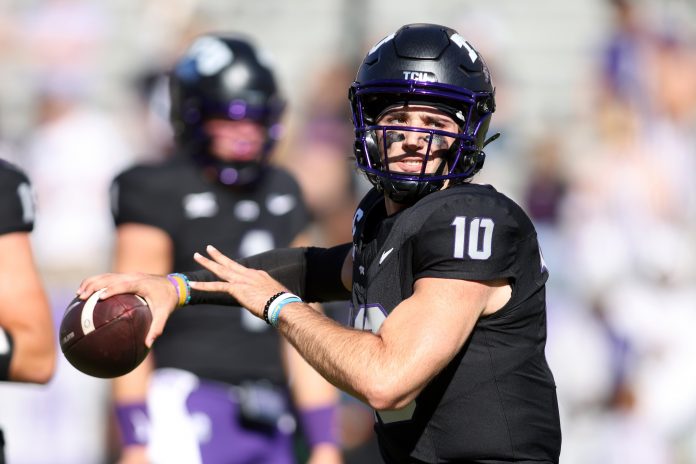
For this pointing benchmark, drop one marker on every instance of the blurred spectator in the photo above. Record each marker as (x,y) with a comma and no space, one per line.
(669,129)
(546,185)
(64,38)
(321,155)
(505,167)
(72,155)
(624,60)
(628,222)
(542,198)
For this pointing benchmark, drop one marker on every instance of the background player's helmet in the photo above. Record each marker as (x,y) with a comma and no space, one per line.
(224,77)
(422,64)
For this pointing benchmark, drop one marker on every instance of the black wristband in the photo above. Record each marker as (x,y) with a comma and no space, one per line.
(268,304)
(323,276)
(6,350)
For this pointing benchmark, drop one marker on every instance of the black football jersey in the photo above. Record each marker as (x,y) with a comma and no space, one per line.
(16,200)
(218,343)
(496,400)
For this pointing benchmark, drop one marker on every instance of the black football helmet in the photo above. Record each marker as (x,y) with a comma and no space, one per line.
(422,64)
(224,77)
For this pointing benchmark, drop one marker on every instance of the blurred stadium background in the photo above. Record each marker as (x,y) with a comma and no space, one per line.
(596,104)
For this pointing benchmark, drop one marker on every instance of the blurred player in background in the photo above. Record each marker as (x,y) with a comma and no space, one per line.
(213,389)
(27,343)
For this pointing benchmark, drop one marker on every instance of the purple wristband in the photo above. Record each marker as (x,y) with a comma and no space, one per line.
(133,423)
(320,425)
(173,281)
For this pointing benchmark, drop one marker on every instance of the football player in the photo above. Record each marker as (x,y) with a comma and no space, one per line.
(216,380)
(27,343)
(446,276)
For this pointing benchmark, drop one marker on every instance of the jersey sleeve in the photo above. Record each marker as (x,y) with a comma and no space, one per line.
(16,200)
(472,238)
(138,196)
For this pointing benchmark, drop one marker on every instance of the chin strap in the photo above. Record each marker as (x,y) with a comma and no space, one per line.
(490,139)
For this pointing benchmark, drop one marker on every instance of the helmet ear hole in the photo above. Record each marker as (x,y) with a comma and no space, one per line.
(360,155)
(373,149)
(366,150)
(485,106)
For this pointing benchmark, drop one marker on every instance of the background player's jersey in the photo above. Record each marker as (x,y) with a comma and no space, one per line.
(218,343)
(496,400)
(16,200)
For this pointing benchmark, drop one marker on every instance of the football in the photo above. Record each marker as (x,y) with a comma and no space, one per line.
(105,338)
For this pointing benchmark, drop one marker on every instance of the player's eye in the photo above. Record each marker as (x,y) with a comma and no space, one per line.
(435,123)
(397,120)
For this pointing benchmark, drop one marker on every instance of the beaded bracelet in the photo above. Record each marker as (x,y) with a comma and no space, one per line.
(268,304)
(183,287)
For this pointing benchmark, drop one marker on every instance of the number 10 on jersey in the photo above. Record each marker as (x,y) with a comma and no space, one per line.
(477,233)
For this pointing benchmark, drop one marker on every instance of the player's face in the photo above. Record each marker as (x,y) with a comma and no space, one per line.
(406,150)
(235,140)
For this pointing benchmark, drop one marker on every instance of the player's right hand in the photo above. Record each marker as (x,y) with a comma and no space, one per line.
(157,291)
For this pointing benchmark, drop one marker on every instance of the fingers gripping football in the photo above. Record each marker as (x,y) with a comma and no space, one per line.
(250,287)
(157,291)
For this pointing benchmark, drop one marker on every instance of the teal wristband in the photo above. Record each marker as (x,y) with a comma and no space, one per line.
(274,311)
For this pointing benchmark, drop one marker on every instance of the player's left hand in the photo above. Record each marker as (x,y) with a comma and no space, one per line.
(250,287)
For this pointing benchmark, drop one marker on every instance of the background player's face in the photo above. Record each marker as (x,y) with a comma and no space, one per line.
(406,149)
(235,140)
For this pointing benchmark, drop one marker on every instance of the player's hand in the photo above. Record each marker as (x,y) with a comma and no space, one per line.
(250,287)
(325,454)
(134,455)
(157,291)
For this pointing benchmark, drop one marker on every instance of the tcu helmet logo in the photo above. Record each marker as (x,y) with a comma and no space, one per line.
(381,42)
(419,76)
(459,40)
(210,54)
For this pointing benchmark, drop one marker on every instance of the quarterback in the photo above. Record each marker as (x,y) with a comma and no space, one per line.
(446,277)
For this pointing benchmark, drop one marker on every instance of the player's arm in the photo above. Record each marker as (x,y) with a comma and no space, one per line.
(25,315)
(387,369)
(317,274)
(142,248)
(315,399)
